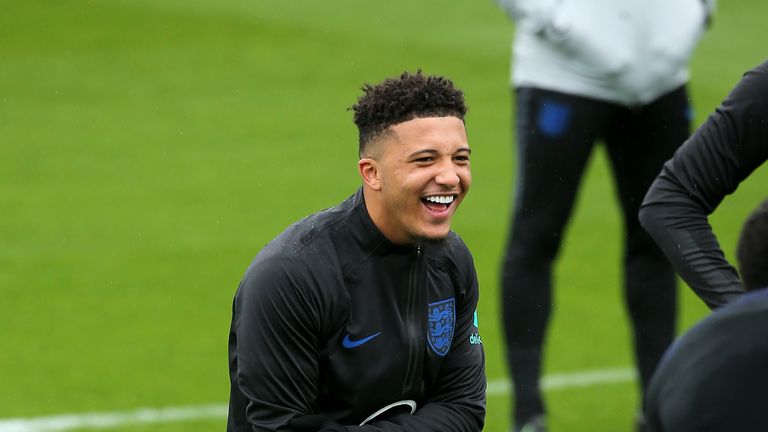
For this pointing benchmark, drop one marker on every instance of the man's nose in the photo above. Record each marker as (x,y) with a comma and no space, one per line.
(448,175)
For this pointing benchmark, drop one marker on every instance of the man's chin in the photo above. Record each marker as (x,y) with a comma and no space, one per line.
(431,238)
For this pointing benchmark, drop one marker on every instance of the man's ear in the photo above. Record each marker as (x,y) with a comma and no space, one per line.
(369,172)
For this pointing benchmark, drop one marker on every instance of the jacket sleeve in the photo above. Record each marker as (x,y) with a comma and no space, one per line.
(456,403)
(710,165)
(274,333)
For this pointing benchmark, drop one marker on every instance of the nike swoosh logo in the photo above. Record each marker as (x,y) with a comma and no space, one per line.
(348,343)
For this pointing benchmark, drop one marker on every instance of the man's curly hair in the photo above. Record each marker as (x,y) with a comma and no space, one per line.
(752,249)
(397,100)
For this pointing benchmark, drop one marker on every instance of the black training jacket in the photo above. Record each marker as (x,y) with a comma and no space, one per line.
(332,319)
(710,165)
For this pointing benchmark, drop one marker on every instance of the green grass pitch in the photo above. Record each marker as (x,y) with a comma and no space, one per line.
(149,149)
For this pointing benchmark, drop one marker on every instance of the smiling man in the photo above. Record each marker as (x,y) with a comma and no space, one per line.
(363,317)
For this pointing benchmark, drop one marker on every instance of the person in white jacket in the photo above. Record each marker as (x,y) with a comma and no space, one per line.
(584,71)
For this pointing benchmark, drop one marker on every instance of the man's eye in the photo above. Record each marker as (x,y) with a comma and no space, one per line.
(461,158)
(425,159)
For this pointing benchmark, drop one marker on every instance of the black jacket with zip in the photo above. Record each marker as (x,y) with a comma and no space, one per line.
(332,319)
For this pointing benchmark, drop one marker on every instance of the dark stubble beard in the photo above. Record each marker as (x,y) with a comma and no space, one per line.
(430,241)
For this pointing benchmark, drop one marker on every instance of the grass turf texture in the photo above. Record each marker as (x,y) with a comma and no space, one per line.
(149,149)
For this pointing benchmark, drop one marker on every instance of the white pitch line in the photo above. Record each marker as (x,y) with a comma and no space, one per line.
(106,420)
(558,381)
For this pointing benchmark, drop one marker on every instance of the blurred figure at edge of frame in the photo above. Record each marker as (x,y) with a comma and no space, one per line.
(583,71)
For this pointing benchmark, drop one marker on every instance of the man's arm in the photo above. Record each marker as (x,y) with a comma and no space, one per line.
(274,345)
(709,166)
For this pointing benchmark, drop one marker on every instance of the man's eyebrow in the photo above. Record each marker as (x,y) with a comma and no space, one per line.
(435,152)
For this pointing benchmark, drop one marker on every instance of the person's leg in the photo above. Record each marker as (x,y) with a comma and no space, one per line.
(555,134)
(638,145)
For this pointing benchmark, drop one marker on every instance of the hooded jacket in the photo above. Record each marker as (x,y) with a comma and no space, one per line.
(622,51)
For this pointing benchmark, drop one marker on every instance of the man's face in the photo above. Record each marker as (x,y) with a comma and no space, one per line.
(421,176)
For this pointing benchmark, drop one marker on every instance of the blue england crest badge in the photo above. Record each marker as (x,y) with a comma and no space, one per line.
(442,320)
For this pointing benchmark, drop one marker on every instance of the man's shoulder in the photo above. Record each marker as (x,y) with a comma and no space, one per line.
(728,324)
(454,254)
(306,243)
(311,231)
(455,247)
(716,356)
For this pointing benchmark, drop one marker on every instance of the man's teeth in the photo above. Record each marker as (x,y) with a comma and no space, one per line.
(443,199)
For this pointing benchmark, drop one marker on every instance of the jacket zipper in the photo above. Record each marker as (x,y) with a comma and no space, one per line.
(412,321)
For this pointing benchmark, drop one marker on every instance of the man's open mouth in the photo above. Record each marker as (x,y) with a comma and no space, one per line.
(438,203)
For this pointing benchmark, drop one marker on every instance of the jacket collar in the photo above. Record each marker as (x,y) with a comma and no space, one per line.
(365,233)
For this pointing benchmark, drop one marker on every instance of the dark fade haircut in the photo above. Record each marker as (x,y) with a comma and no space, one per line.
(752,249)
(397,100)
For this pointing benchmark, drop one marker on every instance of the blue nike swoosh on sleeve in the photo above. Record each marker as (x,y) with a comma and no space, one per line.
(348,343)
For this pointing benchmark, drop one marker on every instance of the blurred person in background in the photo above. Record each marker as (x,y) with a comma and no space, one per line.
(723,152)
(362,317)
(582,71)
(715,376)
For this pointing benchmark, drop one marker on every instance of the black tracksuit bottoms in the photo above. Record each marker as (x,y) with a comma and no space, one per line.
(555,136)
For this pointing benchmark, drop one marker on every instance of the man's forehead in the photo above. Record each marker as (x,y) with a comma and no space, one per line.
(426,127)
(438,134)
(426,119)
